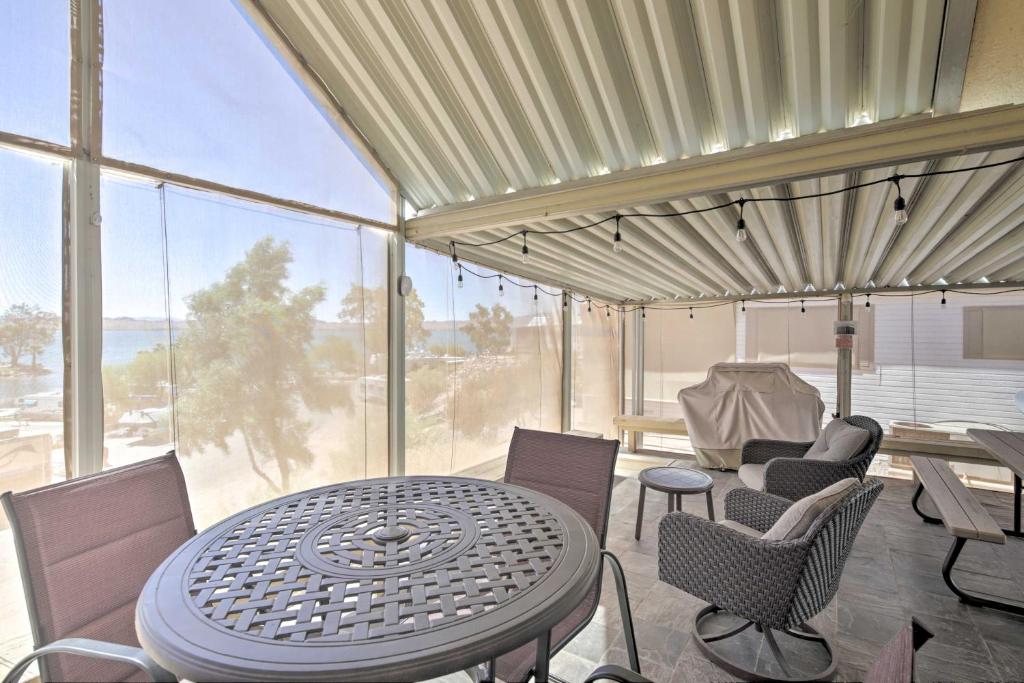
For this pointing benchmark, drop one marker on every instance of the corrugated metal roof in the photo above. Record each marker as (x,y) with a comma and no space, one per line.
(963,227)
(472,98)
(465,99)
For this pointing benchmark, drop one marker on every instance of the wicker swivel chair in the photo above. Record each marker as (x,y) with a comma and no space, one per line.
(773,585)
(85,548)
(578,471)
(782,470)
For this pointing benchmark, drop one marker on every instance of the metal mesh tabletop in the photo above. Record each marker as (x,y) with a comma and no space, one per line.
(385,579)
(676,480)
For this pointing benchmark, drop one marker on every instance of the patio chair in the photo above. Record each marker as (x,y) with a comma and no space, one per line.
(578,471)
(772,563)
(85,548)
(794,469)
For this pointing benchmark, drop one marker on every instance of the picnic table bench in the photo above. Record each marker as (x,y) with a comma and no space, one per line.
(964,518)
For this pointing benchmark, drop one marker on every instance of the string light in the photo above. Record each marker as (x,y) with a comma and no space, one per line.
(943,302)
(691,312)
(802,309)
(899,207)
(743,306)
(565,300)
(526,249)
(741,225)
(535,292)
(643,312)
(588,305)
(460,276)
(867,304)
(501,286)
(607,311)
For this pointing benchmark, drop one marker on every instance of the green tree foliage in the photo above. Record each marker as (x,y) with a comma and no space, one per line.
(336,354)
(141,383)
(455,351)
(245,364)
(490,329)
(371,303)
(26,331)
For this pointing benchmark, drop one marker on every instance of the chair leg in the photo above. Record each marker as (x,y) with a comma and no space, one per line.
(640,512)
(722,659)
(627,614)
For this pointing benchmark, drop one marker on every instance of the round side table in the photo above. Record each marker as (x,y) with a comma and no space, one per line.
(675,481)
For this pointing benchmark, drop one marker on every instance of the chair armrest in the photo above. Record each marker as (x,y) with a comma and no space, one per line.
(614,672)
(756,509)
(728,568)
(760,451)
(796,478)
(87,647)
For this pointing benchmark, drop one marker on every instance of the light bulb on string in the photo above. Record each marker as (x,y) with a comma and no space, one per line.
(943,302)
(526,249)
(743,306)
(899,206)
(617,239)
(451,248)
(535,292)
(501,287)
(607,312)
(741,225)
(459,281)
(802,309)
(867,304)
(588,305)
(643,312)
(691,312)
(565,300)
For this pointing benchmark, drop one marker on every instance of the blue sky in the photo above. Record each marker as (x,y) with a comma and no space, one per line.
(190,87)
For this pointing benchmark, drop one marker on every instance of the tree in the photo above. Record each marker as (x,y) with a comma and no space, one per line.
(490,329)
(336,354)
(244,363)
(24,329)
(371,304)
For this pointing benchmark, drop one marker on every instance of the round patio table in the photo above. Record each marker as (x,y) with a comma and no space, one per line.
(382,579)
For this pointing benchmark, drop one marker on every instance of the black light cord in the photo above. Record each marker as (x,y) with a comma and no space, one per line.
(618,216)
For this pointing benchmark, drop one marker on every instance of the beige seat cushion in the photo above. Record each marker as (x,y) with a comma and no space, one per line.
(742,528)
(752,476)
(799,517)
(839,441)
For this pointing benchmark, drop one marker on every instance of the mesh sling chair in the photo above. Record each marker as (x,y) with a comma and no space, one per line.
(85,548)
(788,474)
(769,584)
(579,471)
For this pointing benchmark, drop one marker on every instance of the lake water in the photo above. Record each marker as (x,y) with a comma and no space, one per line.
(121,346)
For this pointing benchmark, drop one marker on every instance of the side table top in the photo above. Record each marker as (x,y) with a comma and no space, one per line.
(676,480)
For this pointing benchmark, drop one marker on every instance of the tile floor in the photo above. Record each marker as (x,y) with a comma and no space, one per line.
(893,573)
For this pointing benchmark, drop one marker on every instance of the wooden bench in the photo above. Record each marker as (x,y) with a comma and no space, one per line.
(964,518)
(636,425)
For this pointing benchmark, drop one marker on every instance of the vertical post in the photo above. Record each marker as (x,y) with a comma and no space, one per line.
(637,442)
(844,363)
(396,346)
(622,363)
(567,376)
(85,312)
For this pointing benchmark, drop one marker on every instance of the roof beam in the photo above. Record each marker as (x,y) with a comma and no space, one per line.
(871,146)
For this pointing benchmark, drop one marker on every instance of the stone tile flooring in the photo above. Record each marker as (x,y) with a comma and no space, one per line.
(893,573)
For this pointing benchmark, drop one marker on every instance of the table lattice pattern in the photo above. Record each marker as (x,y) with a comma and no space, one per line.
(369,561)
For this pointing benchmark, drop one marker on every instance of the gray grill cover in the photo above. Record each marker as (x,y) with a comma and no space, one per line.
(742,401)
